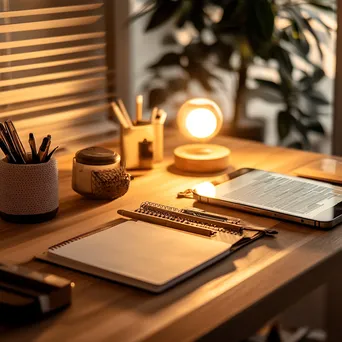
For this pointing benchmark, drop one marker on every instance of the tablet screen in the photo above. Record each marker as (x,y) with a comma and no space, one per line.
(283,194)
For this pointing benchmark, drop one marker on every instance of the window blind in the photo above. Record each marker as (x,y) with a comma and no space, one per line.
(54,78)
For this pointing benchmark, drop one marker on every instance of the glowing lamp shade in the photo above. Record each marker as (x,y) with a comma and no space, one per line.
(200,120)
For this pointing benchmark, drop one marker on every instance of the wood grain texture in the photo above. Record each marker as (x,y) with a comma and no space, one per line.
(231,299)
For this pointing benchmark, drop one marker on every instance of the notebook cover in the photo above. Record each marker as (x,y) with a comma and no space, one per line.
(147,256)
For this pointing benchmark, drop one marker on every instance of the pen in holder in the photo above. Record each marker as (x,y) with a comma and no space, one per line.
(28,192)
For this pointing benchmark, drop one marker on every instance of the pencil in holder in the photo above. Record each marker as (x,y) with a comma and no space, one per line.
(137,145)
(28,192)
(158,142)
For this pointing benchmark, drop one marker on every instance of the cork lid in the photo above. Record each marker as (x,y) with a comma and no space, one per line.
(97,156)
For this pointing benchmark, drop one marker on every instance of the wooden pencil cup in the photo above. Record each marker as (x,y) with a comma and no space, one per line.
(28,192)
(132,145)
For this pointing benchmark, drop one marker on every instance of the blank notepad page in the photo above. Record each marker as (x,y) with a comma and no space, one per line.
(144,252)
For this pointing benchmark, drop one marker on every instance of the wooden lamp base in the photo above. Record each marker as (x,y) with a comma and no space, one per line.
(201,158)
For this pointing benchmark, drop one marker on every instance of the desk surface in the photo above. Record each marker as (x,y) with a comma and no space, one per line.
(249,286)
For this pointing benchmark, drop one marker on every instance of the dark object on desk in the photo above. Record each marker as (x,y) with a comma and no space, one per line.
(26,295)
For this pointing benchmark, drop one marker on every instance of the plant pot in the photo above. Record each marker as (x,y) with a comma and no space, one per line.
(250,129)
(28,192)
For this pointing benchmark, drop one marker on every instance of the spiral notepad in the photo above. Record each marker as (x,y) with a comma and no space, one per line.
(150,256)
(139,254)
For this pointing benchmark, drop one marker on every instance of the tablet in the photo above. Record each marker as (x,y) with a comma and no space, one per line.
(285,197)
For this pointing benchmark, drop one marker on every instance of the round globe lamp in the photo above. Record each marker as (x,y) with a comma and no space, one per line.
(200,120)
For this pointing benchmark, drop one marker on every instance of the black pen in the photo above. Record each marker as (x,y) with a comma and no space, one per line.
(42,149)
(199,213)
(7,152)
(8,140)
(52,152)
(33,146)
(16,141)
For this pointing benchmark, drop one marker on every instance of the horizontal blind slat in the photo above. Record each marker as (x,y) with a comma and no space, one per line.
(62,62)
(50,53)
(51,40)
(26,109)
(51,90)
(49,24)
(49,10)
(62,118)
(53,76)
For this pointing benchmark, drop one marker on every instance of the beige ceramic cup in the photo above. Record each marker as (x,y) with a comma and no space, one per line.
(28,192)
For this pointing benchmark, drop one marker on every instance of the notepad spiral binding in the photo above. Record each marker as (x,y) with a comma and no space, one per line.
(171,213)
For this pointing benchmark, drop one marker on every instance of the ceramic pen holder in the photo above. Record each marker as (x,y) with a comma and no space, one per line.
(28,192)
(142,145)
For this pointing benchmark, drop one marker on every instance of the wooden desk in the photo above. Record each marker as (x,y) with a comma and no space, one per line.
(230,300)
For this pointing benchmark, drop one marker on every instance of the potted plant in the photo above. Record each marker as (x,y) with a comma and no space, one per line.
(234,35)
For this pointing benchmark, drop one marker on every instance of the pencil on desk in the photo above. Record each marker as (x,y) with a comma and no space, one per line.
(139,107)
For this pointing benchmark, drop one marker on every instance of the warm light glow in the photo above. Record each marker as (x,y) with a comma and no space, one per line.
(200,119)
(201,123)
(206,189)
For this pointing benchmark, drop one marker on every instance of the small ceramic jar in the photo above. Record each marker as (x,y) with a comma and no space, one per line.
(97,173)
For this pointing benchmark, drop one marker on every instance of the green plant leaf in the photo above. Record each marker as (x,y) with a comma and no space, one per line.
(169,39)
(269,84)
(317,97)
(198,72)
(178,84)
(284,123)
(224,53)
(169,59)
(147,7)
(304,24)
(283,58)
(316,126)
(308,81)
(156,97)
(303,131)
(324,5)
(314,16)
(162,13)
(260,25)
